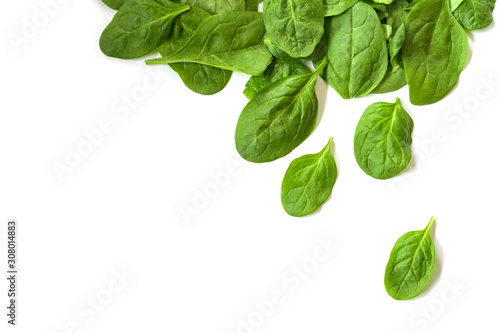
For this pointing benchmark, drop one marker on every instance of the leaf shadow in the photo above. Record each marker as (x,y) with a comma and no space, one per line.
(438,266)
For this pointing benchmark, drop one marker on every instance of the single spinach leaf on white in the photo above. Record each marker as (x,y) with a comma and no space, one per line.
(202,79)
(276,70)
(294,26)
(475,14)
(278,118)
(229,40)
(357,51)
(217,6)
(308,182)
(114,4)
(138,28)
(382,141)
(336,7)
(410,264)
(434,51)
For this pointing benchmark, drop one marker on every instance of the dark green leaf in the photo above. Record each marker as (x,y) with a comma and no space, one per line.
(434,51)
(275,71)
(138,28)
(382,142)
(217,6)
(357,51)
(202,79)
(308,182)
(318,53)
(475,14)
(229,40)
(410,264)
(278,118)
(294,26)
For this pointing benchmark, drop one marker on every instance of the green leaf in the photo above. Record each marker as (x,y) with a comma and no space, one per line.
(278,118)
(434,51)
(475,14)
(252,5)
(357,51)
(138,28)
(336,7)
(217,6)
(393,80)
(294,26)
(202,79)
(410,264)
(318,53)
(229,40)
(454,4)
(382,141)
(308,182)
(114,4)
(275,71)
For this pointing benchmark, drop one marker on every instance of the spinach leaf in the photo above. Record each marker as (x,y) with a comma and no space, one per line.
(318,53)
(252,5)
(475,14)
(229,40)
(294,26)
(114,4)
(396,14)
(336,7)
(434,51)
(278,118)
(308,182)
(138,28)
(454,4)
(394,78)
(382,141)
(276,70)
(410,264)
(202,79)
(217,6)
(357,51)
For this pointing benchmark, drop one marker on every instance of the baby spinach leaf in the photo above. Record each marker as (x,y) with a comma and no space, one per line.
(294,26)
(308,182)
(138,28)
(318,53)
(357,51)
(396,14)
(229,40)
(278,118)
(336,7)
(475,14)
(410,264)
(114,4)
(217,6)
(202,79)
(276,70)
(382,141)
(434,51)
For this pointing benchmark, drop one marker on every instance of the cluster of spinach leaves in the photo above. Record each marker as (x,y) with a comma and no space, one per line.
(357,46)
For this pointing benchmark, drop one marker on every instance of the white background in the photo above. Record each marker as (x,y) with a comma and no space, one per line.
(119,209)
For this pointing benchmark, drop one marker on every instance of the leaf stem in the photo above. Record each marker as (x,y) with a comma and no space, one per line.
(320,67)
